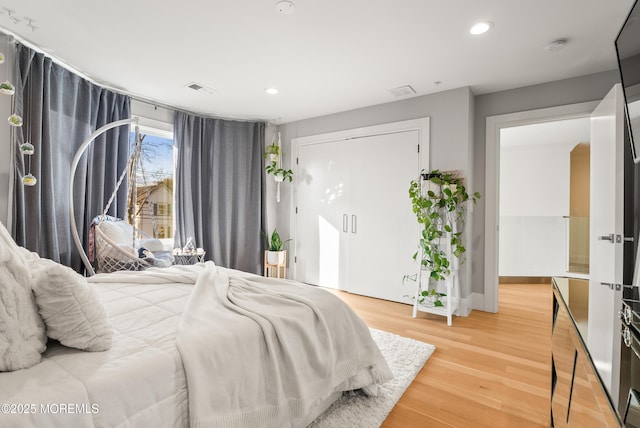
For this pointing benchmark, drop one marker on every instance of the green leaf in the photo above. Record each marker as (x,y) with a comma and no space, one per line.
(438,303)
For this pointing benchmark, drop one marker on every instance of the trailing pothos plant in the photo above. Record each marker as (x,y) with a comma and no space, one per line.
(438,200)
(280,174)
(271,149)
(274,153)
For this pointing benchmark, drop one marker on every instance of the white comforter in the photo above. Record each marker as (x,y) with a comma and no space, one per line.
(264,352)
(141,380)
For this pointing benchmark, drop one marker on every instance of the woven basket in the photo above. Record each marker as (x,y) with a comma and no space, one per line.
(112,256)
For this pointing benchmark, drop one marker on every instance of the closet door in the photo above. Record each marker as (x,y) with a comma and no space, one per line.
(321,219)
(382,226)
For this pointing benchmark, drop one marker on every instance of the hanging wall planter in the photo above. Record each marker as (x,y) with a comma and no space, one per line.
(29,180)
(26,149)
(272,152)
(15,120)
(6,88)
(280,174)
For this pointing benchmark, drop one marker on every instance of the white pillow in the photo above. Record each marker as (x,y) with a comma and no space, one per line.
(151,244)
(22,331)
(72,310)
(119,232)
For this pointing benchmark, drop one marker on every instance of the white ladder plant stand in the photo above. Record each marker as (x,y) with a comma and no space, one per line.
(451,301)
(447,223)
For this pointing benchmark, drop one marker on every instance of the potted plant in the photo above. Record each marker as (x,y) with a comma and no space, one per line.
(279,174)
(272,151)
(275,252)
(438,200)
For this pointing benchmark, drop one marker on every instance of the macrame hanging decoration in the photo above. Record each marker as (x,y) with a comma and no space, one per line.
(26,148)
(277,177)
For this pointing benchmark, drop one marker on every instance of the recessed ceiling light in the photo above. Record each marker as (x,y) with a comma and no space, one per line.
(285,7)
(481,27)
(271,91)
(556,45)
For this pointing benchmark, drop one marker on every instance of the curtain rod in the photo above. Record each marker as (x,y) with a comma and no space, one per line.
(14,39)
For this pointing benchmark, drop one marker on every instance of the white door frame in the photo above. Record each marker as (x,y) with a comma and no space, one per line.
(492,181)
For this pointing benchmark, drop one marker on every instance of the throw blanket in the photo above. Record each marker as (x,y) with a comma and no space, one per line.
(262,352)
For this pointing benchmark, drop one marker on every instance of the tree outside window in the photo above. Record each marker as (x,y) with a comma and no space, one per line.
(154,186)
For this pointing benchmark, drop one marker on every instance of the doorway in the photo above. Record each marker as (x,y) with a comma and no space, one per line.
(544,201)
(495,125)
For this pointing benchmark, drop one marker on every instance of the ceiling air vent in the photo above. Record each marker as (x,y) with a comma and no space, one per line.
(402,91)
(200,88)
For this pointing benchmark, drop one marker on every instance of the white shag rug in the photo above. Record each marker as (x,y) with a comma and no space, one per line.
(405,358)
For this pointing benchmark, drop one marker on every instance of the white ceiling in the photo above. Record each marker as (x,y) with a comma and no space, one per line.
(328,56)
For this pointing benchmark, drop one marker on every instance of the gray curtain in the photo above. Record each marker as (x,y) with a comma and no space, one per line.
(60,109)
(220,193)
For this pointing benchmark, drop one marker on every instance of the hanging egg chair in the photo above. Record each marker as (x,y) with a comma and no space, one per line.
(115,244)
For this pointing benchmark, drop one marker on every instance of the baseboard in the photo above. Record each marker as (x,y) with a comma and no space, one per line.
(467,304)
(476,301)
(524,280)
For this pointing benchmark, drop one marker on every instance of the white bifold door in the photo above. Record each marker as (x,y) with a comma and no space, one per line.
(354,226)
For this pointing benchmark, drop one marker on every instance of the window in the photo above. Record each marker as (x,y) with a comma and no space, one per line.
(164,232)
(154,184)
(163,209)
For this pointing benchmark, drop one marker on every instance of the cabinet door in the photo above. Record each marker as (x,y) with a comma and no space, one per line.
(382,226)
(564,358)
(589,403)
(321,221)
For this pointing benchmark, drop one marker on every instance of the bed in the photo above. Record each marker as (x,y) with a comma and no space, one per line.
(189,346)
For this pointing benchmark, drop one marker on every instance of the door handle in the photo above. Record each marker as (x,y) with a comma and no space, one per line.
(610,237)
(615,239)
(345,223)
(354,224)
(612,285)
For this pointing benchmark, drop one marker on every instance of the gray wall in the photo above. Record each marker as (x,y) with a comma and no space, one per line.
(592,87)
(458,133)
(451,129)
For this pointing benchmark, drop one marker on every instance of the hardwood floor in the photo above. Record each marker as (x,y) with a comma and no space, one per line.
(488,370)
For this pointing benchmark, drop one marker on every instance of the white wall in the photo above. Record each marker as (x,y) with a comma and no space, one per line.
(534,179)
(534,197)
